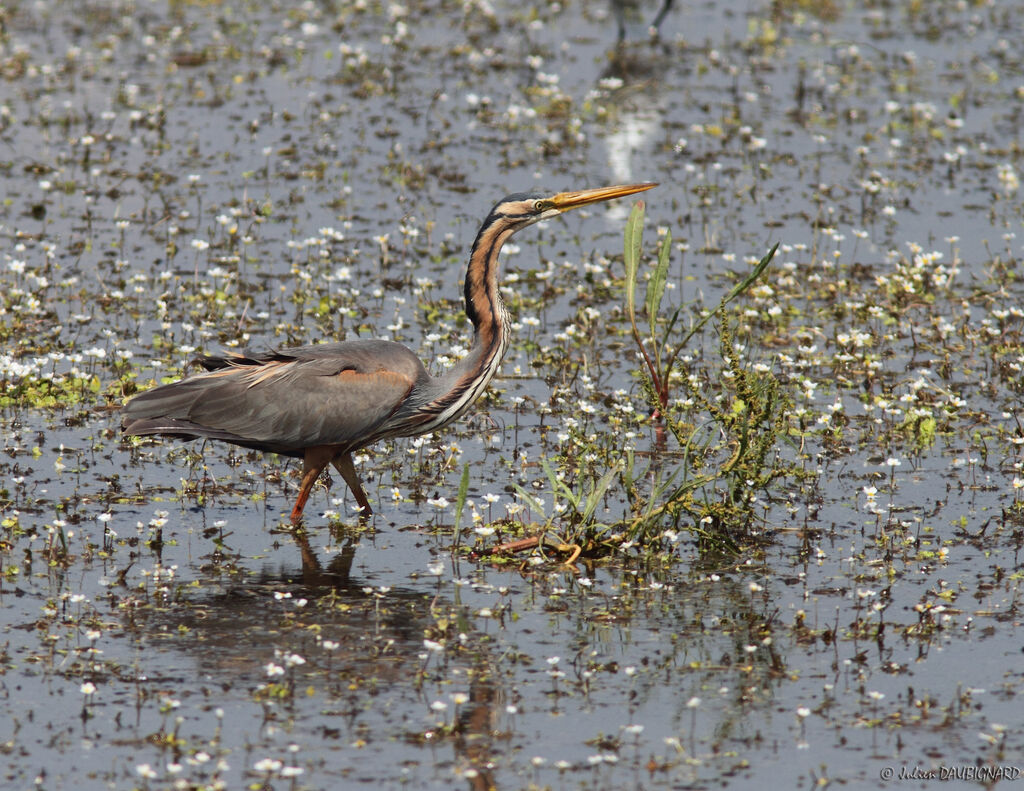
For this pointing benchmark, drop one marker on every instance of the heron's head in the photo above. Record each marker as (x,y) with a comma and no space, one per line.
(525,208)
(508,216)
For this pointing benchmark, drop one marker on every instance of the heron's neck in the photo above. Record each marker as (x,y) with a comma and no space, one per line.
(466,380)
(484,305)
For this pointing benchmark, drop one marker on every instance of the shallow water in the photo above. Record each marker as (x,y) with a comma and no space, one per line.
(185,177)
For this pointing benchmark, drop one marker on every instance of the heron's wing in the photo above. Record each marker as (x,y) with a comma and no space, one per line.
(287,400)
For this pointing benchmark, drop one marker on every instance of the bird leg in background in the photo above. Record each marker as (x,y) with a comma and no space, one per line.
(343,464)
(313,463)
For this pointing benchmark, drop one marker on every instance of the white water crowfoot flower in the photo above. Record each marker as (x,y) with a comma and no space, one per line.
(273,670)
(146,772)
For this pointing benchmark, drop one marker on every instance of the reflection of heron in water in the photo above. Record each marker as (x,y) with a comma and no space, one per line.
(237,629)
(627,10)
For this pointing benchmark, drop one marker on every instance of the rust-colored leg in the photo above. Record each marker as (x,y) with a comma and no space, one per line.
(312,465)
(343,464)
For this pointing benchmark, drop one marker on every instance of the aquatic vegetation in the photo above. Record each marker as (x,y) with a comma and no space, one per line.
(740,407)
(728,433)
(197,177)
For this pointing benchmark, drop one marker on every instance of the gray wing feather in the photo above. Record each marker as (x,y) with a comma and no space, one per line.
(286,400)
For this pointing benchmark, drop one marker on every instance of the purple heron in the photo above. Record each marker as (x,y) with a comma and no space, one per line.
(324,401)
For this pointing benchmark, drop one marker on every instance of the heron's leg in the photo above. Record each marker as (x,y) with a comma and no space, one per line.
(312,465)
(343,464)
(665,8)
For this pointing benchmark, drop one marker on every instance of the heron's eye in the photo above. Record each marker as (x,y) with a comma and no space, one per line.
(538,205)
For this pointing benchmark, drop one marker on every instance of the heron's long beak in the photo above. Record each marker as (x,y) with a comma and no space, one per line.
(564,201)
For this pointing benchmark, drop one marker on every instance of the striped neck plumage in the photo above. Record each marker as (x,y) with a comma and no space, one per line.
(484,306)
(486,310)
